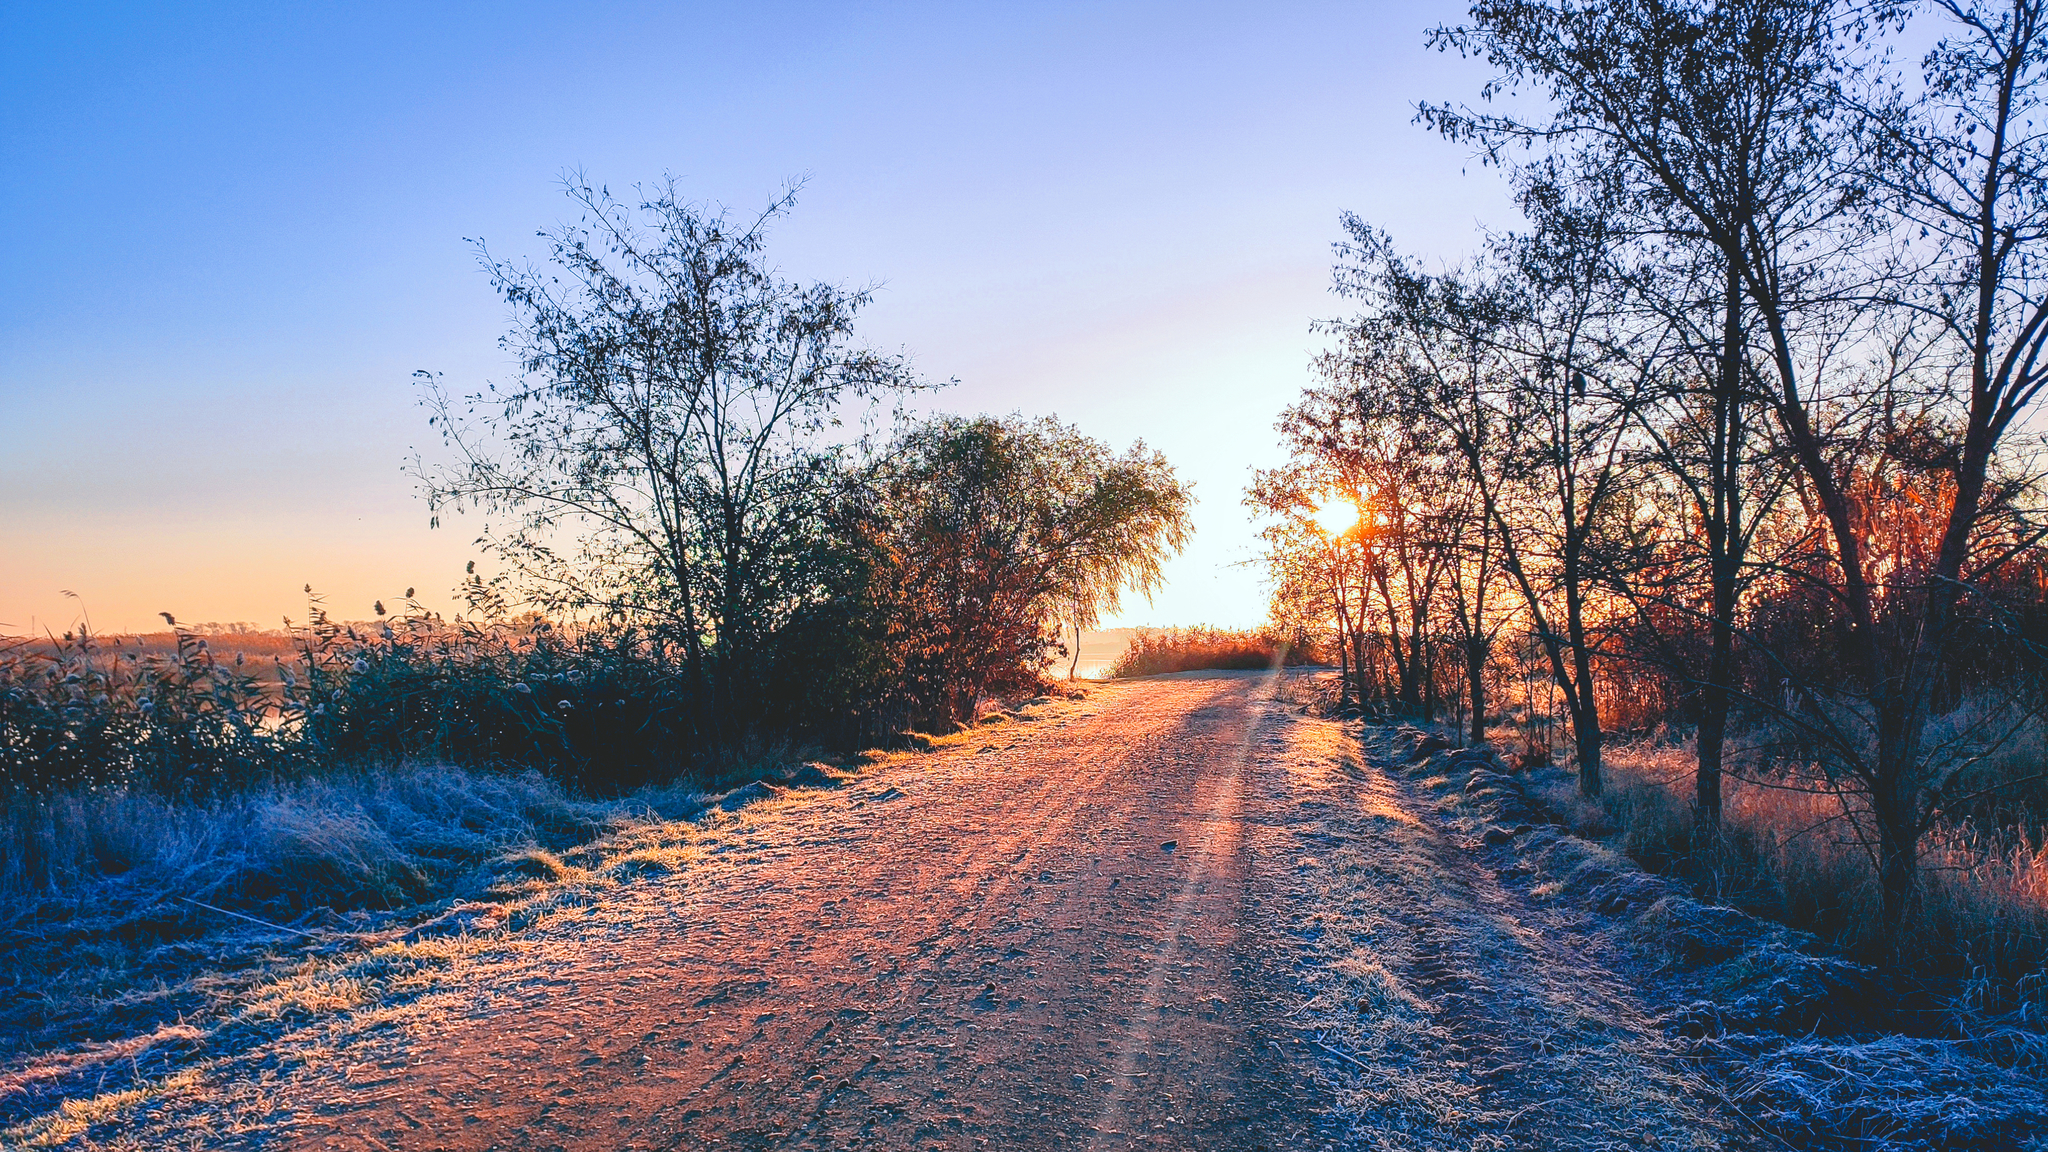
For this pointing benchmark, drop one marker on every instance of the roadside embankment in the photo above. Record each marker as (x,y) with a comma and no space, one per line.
(1805,1042)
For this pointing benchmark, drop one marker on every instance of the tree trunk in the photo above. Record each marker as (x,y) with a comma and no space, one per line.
(1894,803)
(1358,665)
(1345,667)
(1397,646)
(1713,731)
(1586,738)
(1475,674)
(1580,694)
(1426,666)
(1724,545)
(1343,671)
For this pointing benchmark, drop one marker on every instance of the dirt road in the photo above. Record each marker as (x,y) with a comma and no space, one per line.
(1177,915)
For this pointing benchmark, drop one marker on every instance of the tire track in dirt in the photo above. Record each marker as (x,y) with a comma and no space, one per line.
(1219,846)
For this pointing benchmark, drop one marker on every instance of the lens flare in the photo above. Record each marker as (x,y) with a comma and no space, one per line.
(1337,515)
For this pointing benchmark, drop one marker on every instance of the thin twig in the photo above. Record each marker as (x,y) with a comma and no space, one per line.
(1531,1108)
(250,919)
(1340,1055)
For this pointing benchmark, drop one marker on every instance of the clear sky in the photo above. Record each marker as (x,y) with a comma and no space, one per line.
(233,232)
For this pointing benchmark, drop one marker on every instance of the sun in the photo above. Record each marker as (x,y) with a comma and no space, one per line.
(1336,515)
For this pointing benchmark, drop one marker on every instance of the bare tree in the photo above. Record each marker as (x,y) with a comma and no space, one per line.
(1496,366)
(1720,119)
(1875,248)
(660,458)
(1968,165)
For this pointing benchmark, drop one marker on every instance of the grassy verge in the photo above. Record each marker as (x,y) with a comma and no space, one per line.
(167,959)
(1813,1047)
(1796,851)
(158,936)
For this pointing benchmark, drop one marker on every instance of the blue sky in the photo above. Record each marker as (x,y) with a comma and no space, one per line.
(234,232)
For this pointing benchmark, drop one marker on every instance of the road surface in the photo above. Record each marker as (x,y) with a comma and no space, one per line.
(1179,914)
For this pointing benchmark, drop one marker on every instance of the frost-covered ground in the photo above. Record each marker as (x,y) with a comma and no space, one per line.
(1793,1042)
(1451,1011)
(1180,913)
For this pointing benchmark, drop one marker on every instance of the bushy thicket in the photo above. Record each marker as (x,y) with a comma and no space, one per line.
(927,580)
(600,710)
(666,470)
(83,711)
(999,530)
(597,711)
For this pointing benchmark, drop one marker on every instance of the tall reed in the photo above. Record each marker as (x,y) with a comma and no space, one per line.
(1154,652)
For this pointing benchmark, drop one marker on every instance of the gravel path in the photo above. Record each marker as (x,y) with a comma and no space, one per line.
(1176,915)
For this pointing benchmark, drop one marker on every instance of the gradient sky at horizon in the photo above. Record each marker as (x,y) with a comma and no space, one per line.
(235,232)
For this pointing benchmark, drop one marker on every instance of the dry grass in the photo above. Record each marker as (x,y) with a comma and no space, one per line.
(1153,653)
(139,930)
(1797,850)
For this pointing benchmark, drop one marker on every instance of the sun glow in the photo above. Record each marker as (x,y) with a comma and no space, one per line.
(1336,516)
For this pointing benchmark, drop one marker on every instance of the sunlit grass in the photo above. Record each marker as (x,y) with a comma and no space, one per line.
(1798,850)
(1153,653)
